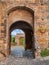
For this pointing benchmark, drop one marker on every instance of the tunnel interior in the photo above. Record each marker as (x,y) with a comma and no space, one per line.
(29,34)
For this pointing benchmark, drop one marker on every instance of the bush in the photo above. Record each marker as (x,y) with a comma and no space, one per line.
(22,41)
(45,53)
(13,39)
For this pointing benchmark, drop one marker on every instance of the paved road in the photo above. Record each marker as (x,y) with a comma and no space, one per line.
(14,60)
(19,51)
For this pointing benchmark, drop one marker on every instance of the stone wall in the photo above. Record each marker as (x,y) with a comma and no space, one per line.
(41,21)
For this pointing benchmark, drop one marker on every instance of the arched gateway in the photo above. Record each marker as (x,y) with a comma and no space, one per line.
(30,16)
(21,17)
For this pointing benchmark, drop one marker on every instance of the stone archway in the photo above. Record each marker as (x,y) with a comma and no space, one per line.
(29,36)
(21,17)
(16,10)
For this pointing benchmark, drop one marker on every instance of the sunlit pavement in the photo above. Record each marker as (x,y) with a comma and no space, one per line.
(17,58)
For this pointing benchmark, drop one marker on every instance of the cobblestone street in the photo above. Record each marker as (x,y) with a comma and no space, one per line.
(19,51)
(11,60)
(17,58)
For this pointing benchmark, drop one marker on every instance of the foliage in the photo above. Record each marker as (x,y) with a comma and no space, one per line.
(45,52)
(22,41)
(13,39)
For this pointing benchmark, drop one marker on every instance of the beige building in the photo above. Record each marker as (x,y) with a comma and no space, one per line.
(18,38)
(32,16)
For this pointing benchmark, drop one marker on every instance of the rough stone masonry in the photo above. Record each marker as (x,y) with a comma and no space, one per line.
(33,12)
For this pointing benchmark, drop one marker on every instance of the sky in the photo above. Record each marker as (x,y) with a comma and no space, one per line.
(16,31)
